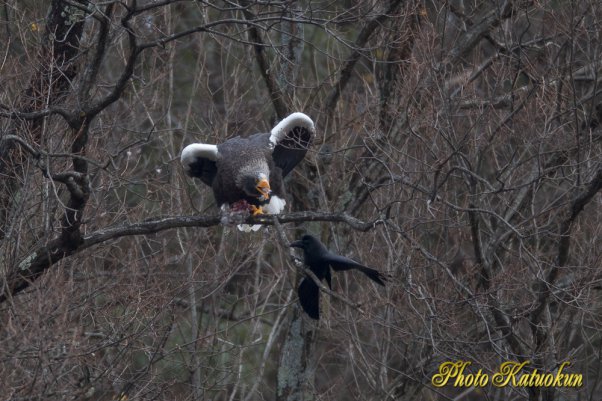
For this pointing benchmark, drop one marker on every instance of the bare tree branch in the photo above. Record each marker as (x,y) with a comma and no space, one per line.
(32,266)
(546,286)
(276,94)
(360,42)
(483,25)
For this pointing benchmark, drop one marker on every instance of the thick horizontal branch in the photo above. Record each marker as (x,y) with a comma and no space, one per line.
(148,227)
(34,115)
(41,259)
(166,223)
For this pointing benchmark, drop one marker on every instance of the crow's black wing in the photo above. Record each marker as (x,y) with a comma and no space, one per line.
(309,297)
(339,263)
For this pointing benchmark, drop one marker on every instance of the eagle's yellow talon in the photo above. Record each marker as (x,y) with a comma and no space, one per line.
(255,211)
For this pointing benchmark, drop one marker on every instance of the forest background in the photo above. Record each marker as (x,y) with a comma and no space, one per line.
(458,149)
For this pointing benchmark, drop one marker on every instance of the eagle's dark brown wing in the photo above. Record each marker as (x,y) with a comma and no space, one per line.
(199,160)
(291,139)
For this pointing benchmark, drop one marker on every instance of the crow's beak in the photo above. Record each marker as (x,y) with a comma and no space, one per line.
(296,244)
(263,187)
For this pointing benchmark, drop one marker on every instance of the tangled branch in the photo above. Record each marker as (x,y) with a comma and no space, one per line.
(42,258)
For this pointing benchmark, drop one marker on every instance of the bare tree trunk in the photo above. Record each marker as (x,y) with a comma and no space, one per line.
(296,369)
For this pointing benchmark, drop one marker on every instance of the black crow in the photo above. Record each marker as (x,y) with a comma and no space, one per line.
(320,260)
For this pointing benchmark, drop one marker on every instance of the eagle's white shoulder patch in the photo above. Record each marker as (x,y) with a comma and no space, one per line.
(283,127)
(198,150)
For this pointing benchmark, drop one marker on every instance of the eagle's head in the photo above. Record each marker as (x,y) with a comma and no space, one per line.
(257,186)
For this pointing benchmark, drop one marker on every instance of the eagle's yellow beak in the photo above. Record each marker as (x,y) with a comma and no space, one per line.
(263,187)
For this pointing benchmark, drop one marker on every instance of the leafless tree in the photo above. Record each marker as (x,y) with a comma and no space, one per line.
(458,150)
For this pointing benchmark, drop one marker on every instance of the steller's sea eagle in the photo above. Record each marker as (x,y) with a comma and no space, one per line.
(248,172)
